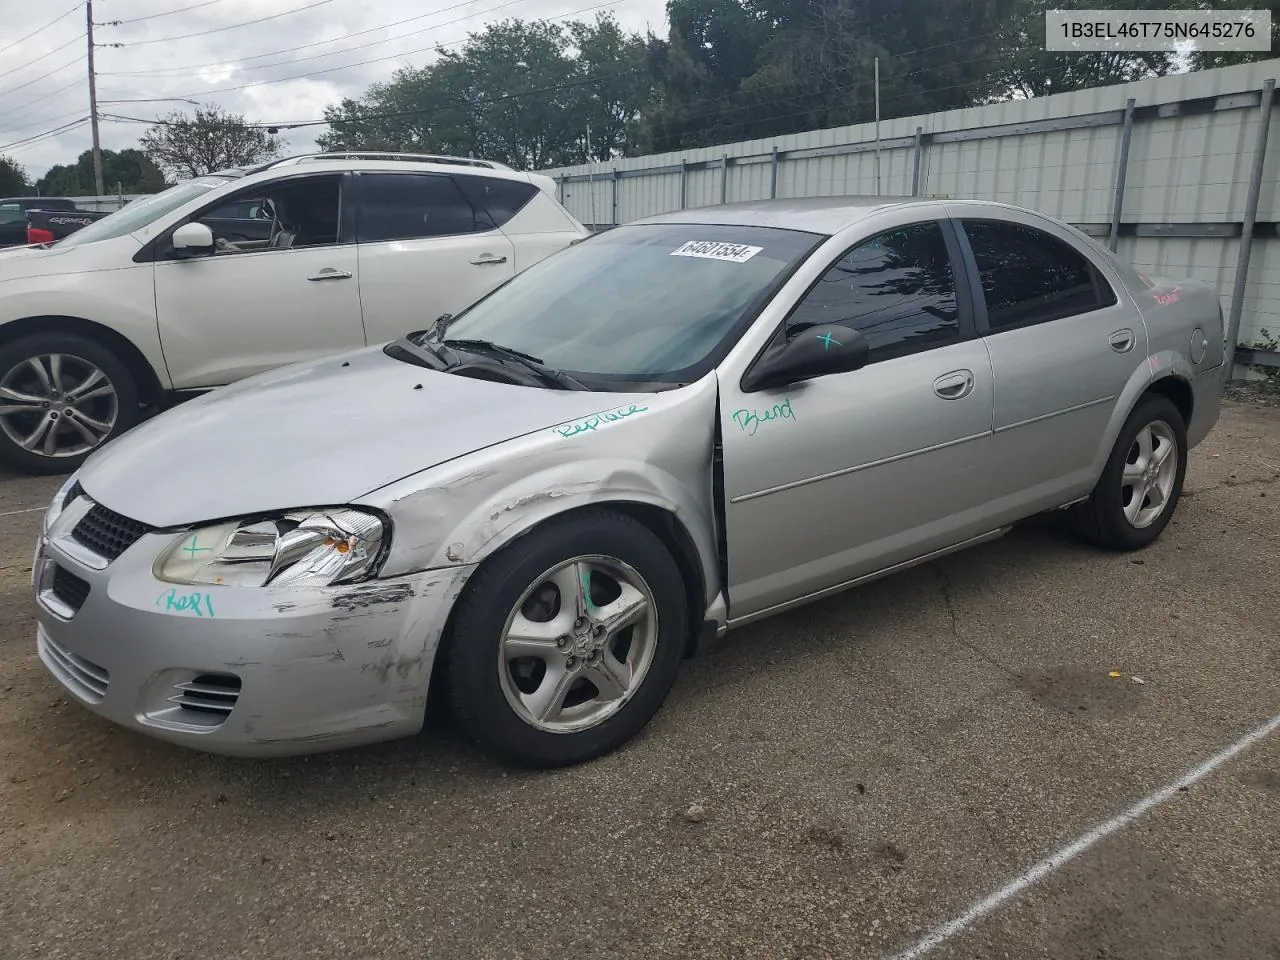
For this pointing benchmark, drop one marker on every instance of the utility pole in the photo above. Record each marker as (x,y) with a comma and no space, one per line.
(93,103)
(877,126)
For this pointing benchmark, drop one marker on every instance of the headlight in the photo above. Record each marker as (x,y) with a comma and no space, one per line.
(59,502)
(296,549)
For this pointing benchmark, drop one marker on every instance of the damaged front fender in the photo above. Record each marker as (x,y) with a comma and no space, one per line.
(660,456)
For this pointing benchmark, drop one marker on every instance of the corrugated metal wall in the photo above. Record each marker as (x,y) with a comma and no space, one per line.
(1190,159)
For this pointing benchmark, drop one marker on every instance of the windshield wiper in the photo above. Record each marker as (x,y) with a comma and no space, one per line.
(419,352)
(548,374)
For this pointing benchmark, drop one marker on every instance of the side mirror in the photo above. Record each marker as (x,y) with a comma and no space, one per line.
(192,240)
(814,352)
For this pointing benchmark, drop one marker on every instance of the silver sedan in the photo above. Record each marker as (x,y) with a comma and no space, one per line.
(549,500)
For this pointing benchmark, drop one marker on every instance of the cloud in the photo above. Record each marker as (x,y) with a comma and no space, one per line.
(281,69)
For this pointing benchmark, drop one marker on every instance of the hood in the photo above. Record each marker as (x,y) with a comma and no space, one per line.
(23,262)
(320,433)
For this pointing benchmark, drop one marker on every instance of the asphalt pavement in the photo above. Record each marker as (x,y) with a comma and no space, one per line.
(837,782)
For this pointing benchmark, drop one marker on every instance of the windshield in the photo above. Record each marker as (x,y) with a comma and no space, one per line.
(651,303)
(140,213)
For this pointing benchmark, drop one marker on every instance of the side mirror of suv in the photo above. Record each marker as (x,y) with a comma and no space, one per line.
(192,240)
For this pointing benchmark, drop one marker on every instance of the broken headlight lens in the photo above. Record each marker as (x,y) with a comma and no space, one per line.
(315,548)
(59,501)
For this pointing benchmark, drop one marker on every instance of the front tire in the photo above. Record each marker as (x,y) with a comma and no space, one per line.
(61,397)
(1142,481)
(565,644)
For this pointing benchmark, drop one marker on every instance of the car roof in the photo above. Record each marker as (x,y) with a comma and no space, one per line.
(826,215)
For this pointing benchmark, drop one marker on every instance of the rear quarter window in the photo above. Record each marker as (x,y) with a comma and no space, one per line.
(496,200)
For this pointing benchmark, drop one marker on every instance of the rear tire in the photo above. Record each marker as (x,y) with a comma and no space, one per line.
(547,675)
(1142,482)
(62,396)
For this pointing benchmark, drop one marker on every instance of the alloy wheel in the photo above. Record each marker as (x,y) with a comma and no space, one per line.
(578,644)
(1150,472)
(57,405)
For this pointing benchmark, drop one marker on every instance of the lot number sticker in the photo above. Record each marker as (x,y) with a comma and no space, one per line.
(715,250)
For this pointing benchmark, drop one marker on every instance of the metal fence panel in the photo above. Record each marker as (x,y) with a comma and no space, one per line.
(1185,189)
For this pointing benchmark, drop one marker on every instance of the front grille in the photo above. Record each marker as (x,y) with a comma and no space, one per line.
(107,533)
(75,491)
(210,694)
(83,677)
(69,588)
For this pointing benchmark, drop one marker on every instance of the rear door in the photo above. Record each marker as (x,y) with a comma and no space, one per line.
(424,250)
(1063,345)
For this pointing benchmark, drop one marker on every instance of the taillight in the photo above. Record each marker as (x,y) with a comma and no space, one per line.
(39,235)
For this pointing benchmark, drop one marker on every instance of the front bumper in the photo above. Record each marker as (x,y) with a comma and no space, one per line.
(237,670)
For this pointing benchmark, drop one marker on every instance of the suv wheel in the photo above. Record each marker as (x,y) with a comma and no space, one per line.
(61,397)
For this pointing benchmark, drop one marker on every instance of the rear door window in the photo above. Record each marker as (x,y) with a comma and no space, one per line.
(1031,277)
(412,206)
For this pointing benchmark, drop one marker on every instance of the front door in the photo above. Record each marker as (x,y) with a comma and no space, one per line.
(254,306)
(846,474)
(424,251)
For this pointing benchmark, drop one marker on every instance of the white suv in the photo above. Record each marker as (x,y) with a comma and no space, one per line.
(241,271)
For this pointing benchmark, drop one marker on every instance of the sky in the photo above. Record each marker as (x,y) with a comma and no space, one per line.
(302,56)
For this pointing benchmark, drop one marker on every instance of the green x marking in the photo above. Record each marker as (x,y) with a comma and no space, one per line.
(827,340)
(194,547)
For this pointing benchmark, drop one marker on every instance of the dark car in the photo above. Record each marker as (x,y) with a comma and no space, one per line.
(13,216)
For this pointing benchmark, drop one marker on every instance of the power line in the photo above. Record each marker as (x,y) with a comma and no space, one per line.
(43,55)
(62,16)
(233,26)
(334,53)
(304,46)
(44,99)
(43,76)
(167,13)
(39,123)
(393,56)
(27,141)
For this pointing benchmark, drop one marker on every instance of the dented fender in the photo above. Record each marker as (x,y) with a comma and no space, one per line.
(658,452)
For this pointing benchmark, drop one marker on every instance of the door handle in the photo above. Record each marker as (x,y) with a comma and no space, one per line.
(1122,341)
(487,258)
(328,273)
(955,385)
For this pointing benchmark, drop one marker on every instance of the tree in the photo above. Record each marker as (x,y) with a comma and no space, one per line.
(1025,69)
(13,178)
(1207,59)
(742,69)
(210,140)
(128,170)
(522,93)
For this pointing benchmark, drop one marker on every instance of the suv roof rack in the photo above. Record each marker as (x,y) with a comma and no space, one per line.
(387,155)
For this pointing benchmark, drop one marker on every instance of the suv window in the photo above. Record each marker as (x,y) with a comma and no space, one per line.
(897,289)
(10,212)
(1029,276)
(239,210)
(495,200)
(301,212)
(409,206)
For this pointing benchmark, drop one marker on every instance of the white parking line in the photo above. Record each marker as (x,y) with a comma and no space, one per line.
(1049,864)
(14,513)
